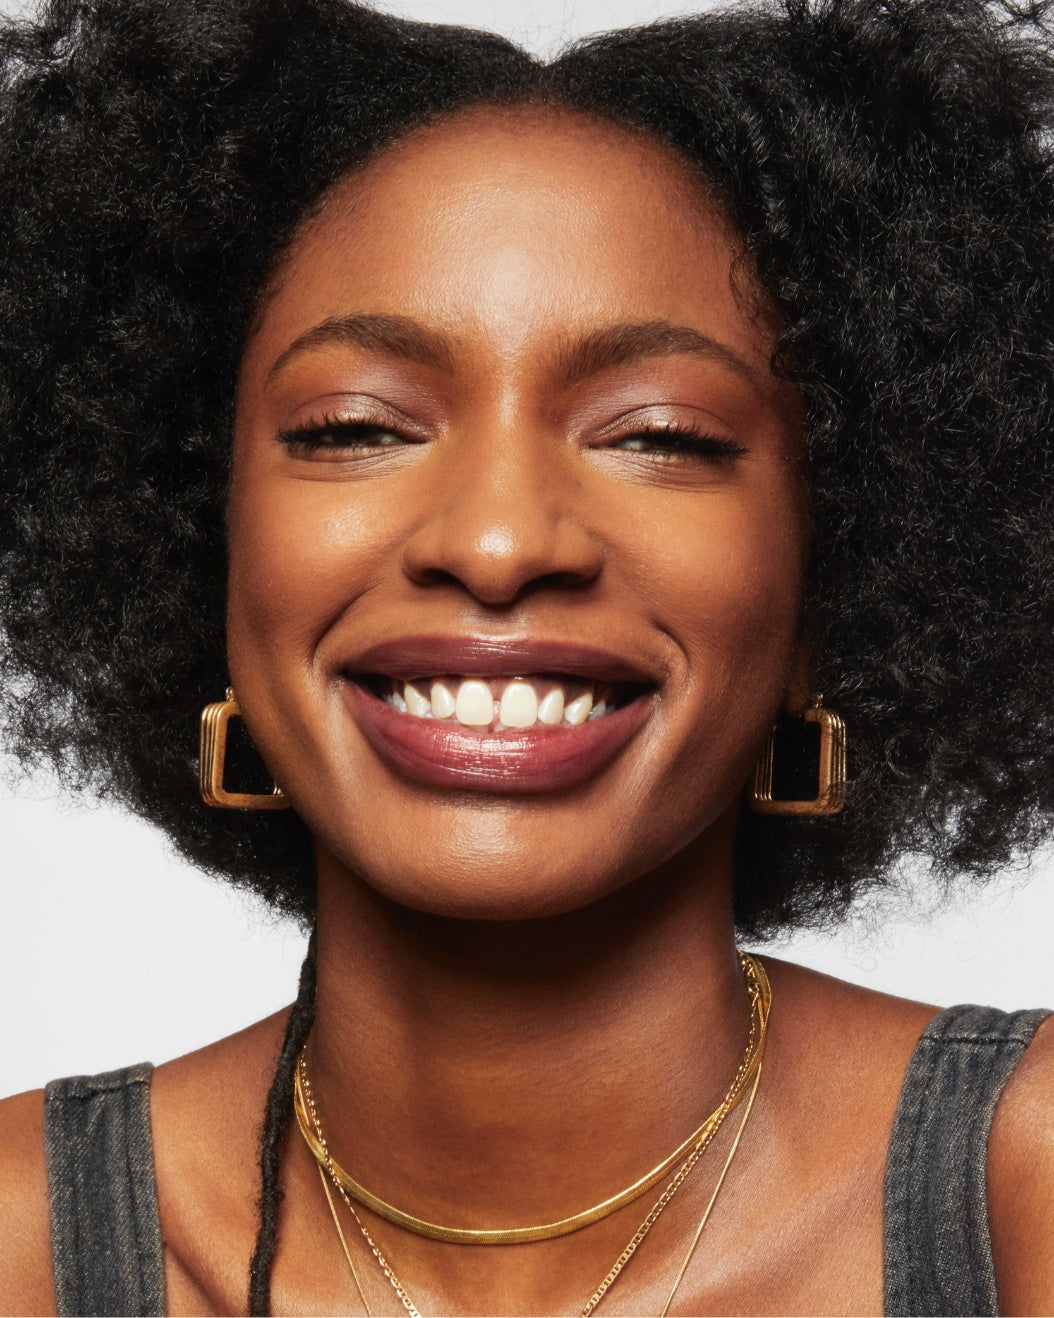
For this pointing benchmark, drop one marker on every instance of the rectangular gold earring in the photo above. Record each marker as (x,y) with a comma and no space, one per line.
(214,721)
(830,792)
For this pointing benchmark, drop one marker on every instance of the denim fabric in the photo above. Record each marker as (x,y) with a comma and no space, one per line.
(106,1238)
(938,1248)
(105,1232)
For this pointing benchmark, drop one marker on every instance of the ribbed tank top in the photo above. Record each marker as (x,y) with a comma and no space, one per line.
(106,1236)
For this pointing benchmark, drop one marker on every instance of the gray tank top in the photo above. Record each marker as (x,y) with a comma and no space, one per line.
(106,1238)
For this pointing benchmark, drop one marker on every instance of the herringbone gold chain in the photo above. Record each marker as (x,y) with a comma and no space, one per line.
(750,1066)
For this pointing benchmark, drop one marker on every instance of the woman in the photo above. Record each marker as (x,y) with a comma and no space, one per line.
(523,446)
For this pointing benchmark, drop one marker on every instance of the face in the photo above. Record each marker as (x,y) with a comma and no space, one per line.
(516,523)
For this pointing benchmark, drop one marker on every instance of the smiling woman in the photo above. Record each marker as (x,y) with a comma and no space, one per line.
(547,419)
(547,459)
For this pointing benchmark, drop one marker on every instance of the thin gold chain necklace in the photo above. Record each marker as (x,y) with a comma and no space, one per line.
(757,985)
(412,1310)
(750,1068)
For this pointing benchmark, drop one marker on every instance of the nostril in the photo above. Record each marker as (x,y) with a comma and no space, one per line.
(498,560)
(436,576)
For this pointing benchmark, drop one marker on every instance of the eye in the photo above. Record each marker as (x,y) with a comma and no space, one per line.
(341,434)
(672,442)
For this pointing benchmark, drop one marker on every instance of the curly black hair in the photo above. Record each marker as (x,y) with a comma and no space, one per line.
(889,165)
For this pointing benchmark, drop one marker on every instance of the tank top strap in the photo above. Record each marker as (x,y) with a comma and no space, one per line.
(938,1247)
(105,1231)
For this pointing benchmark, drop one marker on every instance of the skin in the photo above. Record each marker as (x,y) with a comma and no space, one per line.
(524,1002)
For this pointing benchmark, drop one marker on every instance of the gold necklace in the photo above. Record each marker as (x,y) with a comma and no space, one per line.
(667,1195)
(758,987)
(343,1241)
(412,1310)
(761,1000)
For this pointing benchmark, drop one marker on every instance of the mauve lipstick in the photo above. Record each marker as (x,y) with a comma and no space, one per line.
(429,655)
(443,753)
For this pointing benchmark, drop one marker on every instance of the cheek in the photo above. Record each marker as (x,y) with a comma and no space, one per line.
(300,550)
(723,576)
(724,583)
(747,578)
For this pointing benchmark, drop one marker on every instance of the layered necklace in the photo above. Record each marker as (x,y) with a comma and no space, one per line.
(677,1166)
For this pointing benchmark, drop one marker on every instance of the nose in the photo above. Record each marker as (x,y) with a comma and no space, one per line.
(507,520)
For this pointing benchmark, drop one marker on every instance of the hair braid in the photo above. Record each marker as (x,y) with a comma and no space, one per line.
(279,1102)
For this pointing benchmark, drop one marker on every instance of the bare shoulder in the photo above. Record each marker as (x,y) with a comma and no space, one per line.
(25,1259)
(831,1020)
(850,1045)
(206,1112)
(1021,1181)
(835,1061)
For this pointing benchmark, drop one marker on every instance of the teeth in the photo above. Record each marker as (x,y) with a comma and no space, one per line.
(443,702)
(519,706)
(551,708)
(578,710)
(474,704)
(416,703)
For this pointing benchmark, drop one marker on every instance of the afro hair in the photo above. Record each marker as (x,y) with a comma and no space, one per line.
(889,166)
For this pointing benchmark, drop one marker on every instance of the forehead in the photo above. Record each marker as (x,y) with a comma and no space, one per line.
(519,226)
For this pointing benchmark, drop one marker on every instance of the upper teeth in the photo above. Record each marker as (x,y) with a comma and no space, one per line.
(474,702)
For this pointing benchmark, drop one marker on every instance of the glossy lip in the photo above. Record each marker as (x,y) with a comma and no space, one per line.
(443,753)
(412,657)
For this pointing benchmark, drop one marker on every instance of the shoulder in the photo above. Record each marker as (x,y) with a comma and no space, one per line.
(25,1259)
(835,1062)
(207,1109)
(845,1050)
(851,1040)
(823,1020)
(1021,1180)
(204,1116)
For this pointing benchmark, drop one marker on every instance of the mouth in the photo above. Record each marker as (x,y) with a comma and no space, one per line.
(500,705)
(526,729)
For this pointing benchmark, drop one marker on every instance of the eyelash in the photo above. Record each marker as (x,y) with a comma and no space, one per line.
(670,442)
(331,433)
(673,441)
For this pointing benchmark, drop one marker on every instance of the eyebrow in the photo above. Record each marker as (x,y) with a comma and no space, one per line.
(603,349)
(394,336)
(619,344)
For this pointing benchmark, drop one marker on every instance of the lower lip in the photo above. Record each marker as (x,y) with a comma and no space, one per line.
(443,753)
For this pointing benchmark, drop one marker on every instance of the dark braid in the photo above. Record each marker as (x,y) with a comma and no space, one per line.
(279,1104)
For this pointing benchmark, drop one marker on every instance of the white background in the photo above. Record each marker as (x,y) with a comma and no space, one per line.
(112,952)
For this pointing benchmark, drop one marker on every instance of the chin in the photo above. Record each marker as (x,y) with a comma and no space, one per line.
(491,885)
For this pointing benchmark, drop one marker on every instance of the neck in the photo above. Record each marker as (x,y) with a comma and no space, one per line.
(574,1051)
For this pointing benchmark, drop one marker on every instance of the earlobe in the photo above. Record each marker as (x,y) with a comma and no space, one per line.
(801,682)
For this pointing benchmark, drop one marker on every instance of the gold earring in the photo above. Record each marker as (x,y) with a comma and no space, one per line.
(214,720)
(830,792)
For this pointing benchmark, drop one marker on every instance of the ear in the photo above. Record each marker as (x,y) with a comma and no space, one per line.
(800,682)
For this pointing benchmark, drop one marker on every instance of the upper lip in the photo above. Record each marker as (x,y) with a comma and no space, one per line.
(410,657)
